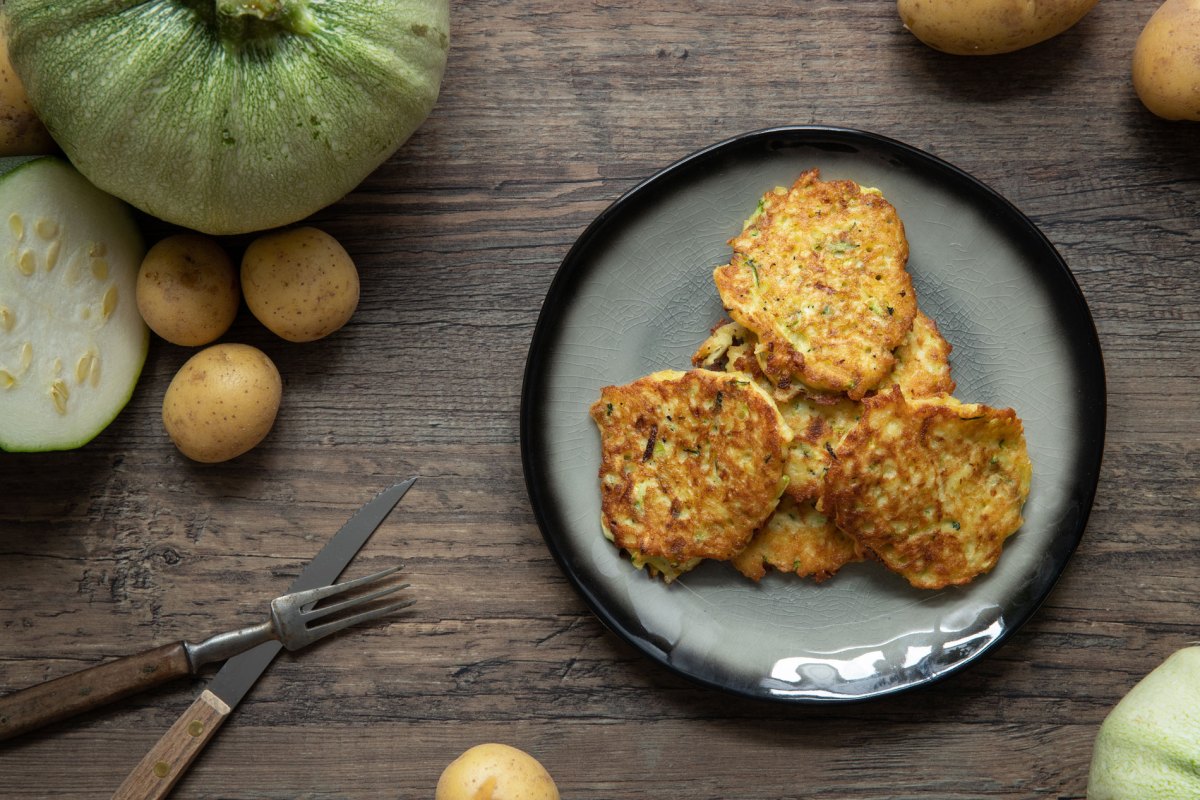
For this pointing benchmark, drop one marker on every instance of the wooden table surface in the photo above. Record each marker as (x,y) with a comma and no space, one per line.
(550,111)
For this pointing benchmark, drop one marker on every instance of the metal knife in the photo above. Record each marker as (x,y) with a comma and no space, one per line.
(162,767)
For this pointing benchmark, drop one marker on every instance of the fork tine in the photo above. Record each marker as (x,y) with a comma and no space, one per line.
(350,602)
(310,596)
(326,628)
(292,613)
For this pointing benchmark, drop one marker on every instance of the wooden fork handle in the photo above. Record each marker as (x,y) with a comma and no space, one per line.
(90,688)
(156,774)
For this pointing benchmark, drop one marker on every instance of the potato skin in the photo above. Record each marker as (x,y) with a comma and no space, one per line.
(1166,61)
(21,132)
(495,772)
(989,27)
(188,290)
(222,402)
(300,283)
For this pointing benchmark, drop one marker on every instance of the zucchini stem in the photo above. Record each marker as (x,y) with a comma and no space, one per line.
(292,16)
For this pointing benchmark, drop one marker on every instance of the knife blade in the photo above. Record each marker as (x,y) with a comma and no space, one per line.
(156,774)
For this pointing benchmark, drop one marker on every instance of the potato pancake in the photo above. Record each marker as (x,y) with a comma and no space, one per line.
(932,486)
(819,275)
(800,540)
(818,424)
(691,464)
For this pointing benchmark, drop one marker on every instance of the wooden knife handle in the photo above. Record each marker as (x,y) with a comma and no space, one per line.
(156,774)
(90,688)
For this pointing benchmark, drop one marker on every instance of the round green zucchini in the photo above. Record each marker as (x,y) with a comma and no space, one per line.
(1148,747)
(229,116)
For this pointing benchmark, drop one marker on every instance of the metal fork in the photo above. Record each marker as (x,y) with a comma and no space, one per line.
(292,616)
(295,620)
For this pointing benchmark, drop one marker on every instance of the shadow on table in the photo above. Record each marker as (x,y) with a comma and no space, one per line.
(1030,72)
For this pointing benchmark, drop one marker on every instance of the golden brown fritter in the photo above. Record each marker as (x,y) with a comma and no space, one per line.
(828,384)
(691,464)
(730,348)
(818,424)
(922,361)
(819,274)
(932,486)
(800,540)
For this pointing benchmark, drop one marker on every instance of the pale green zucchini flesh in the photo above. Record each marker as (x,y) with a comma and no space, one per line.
(72,343)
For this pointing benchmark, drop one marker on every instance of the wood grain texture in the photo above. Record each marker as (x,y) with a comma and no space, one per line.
(167,761)
(89,688)
(549,112)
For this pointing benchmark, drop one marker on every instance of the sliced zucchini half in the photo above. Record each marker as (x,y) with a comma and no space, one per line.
(72,343)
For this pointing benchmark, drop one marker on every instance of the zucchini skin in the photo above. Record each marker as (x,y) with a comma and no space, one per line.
(213,118)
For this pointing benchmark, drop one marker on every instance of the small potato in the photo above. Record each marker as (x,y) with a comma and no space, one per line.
(222,402)
(21,132)
(1166,61)
(300,283)
(989,27)
(187,289)
(495,772)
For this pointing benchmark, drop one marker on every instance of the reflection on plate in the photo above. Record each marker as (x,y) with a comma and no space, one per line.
(635,295)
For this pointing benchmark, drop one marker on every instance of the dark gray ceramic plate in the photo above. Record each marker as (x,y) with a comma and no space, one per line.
(635,295)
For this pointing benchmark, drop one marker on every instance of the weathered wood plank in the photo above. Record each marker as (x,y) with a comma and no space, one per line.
(550,112)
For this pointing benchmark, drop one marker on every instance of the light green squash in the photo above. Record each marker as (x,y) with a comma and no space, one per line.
(1148,747)
(229,116)
(72,343)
